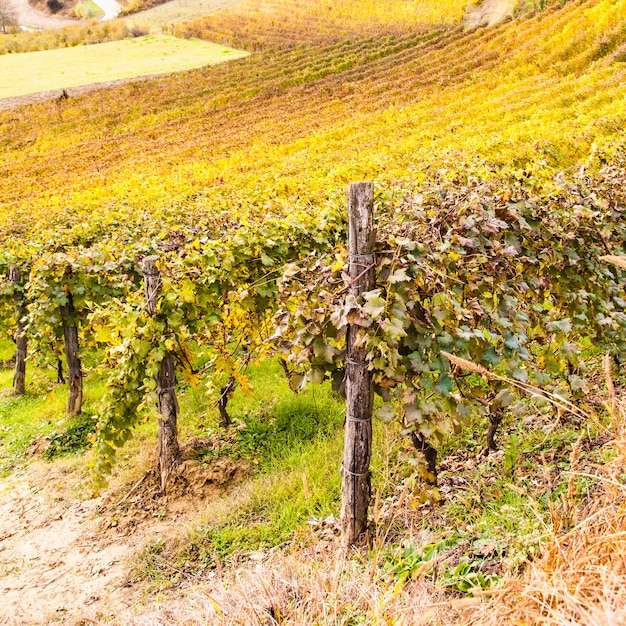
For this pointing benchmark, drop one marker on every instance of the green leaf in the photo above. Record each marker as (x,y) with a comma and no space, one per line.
(374,305)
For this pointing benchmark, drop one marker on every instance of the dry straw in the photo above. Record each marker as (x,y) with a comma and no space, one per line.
(556,400)
(581,578)
(620,261)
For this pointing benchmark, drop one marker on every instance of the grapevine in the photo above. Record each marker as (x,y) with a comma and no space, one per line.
(500,166)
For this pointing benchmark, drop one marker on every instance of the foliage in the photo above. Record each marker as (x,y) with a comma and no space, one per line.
(135,6)
(464,576)
(87,9)
(492,272)
(72,440)
(260,24)
(485,249)
(73,35)
(448,98)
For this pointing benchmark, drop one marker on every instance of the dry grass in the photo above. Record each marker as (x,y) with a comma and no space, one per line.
(620,261)
(581,578)
(316,586)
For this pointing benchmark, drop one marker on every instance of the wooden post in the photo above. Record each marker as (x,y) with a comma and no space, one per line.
(74,367)
(355,488)
(19,378)
(168,450)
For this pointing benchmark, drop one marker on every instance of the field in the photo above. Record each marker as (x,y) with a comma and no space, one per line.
(494,333)
(116,60)
(177,11)
(451,97)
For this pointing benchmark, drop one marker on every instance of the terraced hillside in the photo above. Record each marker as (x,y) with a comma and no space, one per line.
(260,24)
(499,161)
(297,125)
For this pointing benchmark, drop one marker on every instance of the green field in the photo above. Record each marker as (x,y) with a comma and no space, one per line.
(33,72)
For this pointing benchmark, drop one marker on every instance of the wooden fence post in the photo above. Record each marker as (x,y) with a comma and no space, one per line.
(166,382)
(19,378)
(355,488)
(74,367)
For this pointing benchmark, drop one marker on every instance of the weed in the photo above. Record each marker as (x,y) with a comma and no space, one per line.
(466,576)
(72,440)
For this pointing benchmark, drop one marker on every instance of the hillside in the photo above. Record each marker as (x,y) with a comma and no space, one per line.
(523,93)
(495,330)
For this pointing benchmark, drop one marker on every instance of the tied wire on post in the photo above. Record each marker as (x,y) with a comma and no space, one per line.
(361,260)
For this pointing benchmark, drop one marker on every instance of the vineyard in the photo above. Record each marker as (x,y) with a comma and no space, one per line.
(167,239)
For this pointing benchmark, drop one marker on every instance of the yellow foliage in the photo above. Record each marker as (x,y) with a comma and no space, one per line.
(283,131)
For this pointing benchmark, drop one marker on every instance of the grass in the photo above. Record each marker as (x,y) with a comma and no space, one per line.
(7,349)
(115,60)
(40,415)
(87,9)
(488,519)
(426,555)
(579,578)
(294,441)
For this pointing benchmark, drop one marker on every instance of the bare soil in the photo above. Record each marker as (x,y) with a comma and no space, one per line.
(56,8)
(28,15)
(66,560)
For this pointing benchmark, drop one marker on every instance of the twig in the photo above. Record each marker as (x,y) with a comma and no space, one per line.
(354,280)
(134,488)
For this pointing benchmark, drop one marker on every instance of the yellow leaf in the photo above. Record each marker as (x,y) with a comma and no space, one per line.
(191,378)
(103,334)
(339,264)
(244,384)
(188,292)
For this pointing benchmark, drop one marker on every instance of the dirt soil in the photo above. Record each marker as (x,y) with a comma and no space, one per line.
(67,560)
(31,17)
(63,8)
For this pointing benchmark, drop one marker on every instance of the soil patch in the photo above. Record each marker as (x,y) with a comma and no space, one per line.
(66,560)
(58,8)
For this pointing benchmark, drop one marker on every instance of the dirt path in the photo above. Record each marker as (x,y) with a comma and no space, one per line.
(30,17)
(67,560)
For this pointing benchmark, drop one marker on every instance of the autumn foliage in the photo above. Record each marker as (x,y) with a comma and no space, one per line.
(500,168)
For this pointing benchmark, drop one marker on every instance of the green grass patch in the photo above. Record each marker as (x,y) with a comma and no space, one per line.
(87,9)
(295,441)
(7,350)
(33,72)
(267,512)
(41,415)
(270,424)
(73,439)
(24,419)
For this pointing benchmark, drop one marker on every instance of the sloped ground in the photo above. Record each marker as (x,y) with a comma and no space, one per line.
(581,576)
(28,16)
(66,559)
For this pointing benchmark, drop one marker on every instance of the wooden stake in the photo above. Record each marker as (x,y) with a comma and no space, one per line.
(168,450)
(355,487)
(19,378)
